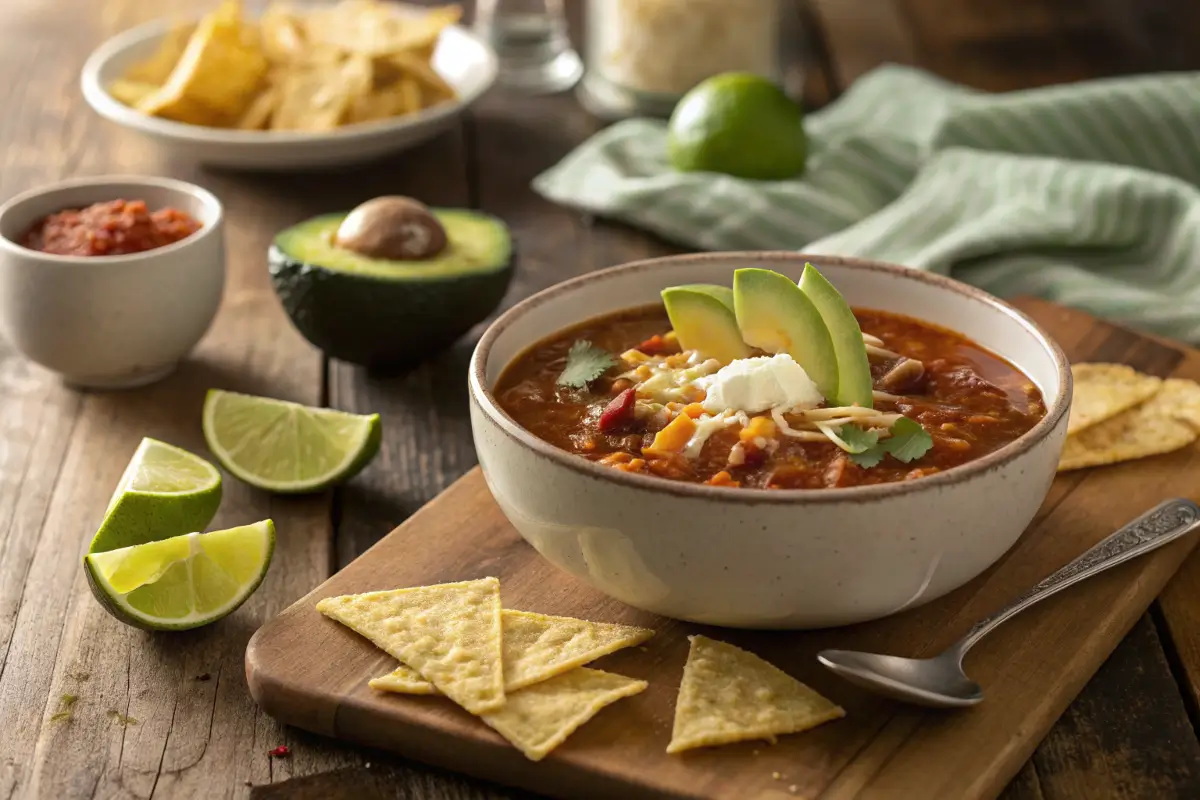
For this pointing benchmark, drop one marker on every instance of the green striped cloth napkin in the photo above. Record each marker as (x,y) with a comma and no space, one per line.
(1085,194)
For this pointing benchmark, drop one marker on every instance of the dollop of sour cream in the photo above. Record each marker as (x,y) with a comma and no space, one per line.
(758,384)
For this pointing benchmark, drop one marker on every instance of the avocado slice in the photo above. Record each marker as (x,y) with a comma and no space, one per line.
(855,386)
(703,318)
(774,315)
(388,313)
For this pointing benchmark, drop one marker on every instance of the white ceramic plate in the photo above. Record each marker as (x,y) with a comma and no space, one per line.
(461,58)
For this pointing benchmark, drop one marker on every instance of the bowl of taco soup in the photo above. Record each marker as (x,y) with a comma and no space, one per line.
(768,440)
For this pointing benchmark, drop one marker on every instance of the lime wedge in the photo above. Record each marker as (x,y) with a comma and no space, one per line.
(286,447)
(183,582)
(164,492)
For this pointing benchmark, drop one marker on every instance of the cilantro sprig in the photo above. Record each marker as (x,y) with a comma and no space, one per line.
(585,363)
(908,442)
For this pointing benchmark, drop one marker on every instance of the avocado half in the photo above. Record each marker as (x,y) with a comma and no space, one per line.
(382,313)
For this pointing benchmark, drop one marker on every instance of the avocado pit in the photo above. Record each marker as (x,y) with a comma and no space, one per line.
(393,228)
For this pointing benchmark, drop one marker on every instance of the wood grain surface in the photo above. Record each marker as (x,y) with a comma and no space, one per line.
(1127,735)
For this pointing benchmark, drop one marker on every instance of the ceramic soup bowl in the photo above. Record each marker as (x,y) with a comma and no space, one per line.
(761,558)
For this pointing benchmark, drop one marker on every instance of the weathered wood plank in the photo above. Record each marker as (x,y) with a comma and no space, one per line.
(1024,786)
(385,780)
(426,436)
(1098,748)
(1181,623)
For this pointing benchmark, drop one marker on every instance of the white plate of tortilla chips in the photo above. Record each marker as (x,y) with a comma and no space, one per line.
(299,87)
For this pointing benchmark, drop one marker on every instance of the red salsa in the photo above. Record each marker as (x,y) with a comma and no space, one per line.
(968,400)
(113,228)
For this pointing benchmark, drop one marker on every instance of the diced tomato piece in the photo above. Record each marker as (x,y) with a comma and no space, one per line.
(654,346)
(618,413)
(723,478)
(658,345)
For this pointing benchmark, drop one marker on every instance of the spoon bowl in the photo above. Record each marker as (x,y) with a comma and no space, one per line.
(933,682)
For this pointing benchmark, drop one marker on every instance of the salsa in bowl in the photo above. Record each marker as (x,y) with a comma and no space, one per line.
(770,446)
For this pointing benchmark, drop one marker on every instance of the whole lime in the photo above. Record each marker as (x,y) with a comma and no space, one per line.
(738,124)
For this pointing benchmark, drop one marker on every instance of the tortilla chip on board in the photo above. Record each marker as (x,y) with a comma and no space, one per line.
(1168,421)
(1104,390)
(450,633)
(729,695)
(1183,398)
(535,647)
(539,718)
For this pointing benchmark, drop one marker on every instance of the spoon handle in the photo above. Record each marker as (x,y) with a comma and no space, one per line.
(1160,525)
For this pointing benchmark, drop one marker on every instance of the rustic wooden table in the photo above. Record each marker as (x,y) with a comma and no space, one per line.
(197,733)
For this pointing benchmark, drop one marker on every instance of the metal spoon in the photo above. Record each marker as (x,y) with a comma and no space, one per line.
(940,681)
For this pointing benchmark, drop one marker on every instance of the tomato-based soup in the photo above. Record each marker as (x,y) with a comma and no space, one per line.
(968,400)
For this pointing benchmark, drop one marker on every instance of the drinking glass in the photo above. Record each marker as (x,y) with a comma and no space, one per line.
(531,42)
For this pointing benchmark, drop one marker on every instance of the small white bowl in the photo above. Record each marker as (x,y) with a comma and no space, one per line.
(110,322)
(461,58)
(762,558)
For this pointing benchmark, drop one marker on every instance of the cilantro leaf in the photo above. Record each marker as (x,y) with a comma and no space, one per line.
(585,363)
(868,458)
(909,441)
(858,440)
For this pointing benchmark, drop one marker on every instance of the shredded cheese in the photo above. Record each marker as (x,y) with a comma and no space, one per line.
(788,430)
(875,340)
(881,352)
(706,426)
(672,378)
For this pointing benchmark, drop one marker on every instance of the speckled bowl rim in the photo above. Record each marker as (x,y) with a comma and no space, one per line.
(481,394)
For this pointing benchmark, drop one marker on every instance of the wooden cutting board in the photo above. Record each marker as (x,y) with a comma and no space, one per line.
(311,672)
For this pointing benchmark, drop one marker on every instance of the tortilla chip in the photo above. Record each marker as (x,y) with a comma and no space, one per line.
(181,109)
(1104,390)
(450,633)
(1150,429)
(729,695)
(403,680)
(258,113)
(410,92)
(156,69)
(374,29)
(282,35)
(1182,397)
(535,647)
(431,82)
(131,92)
(221,69)
(376,105)
(310,100)
(539,718)
(318,97)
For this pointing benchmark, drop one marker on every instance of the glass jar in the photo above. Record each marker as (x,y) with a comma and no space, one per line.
(643,55)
